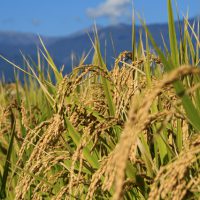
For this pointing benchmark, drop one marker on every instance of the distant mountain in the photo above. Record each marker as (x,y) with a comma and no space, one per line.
(61,48)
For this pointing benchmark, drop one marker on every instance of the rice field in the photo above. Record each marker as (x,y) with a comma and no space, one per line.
(131,132)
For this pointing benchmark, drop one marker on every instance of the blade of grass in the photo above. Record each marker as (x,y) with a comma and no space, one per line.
(133,36)
(17,67)
(50,61)
(172,35)
(47,94)
(8,157)
(196,35)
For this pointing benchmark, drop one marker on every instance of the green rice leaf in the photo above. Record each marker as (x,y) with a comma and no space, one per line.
(50,61)
(7,162)
(172,36)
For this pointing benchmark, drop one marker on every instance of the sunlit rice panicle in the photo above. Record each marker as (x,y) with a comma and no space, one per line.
(63,89)
(98,175)
(34,164)
(30,138)
(170,182)
(49,162)
(25,121)
(137,121)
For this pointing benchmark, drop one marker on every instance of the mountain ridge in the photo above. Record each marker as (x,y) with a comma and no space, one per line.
(61,48)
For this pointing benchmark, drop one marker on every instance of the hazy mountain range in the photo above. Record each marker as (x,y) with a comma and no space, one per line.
(62,48)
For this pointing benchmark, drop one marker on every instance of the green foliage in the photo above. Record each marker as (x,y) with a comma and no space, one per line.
(67,139)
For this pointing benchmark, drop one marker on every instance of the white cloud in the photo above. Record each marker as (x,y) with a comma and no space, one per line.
(112,9)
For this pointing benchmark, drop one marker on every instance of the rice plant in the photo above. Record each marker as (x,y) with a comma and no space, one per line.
(131,132)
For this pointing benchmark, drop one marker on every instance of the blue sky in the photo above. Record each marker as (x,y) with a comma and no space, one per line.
(63,17)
